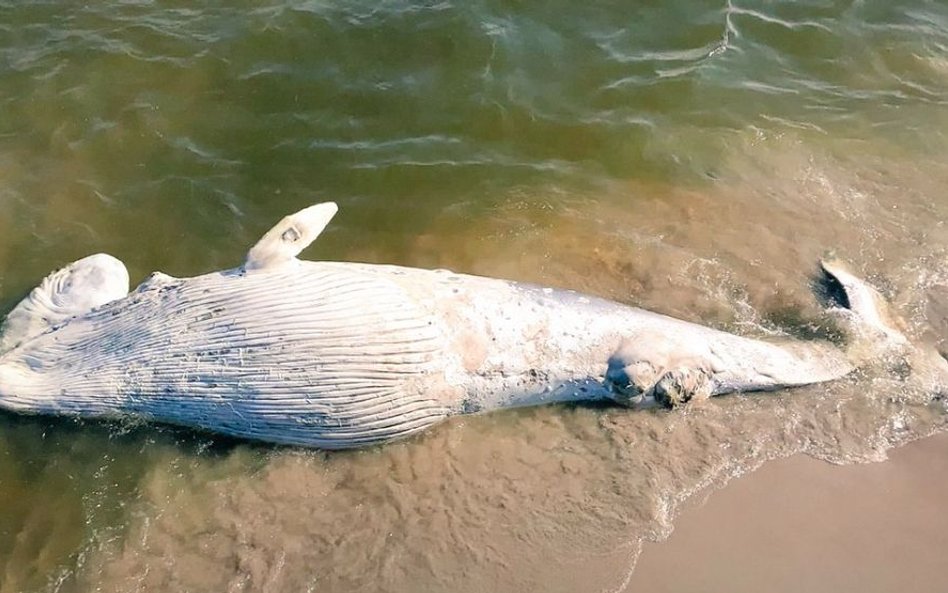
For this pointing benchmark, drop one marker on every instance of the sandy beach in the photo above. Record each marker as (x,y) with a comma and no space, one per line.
(800,524)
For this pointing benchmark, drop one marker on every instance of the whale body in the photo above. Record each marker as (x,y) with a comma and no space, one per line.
(338,355)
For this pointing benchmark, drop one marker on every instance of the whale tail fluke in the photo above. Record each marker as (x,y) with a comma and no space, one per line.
(875,332)
(869,315)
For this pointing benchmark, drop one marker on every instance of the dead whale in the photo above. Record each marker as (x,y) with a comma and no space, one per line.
(339,355)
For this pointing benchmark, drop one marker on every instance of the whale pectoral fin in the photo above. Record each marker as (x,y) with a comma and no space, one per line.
(289,237)
(71,291)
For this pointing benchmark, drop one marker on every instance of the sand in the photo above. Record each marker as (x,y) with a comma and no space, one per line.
(799,524)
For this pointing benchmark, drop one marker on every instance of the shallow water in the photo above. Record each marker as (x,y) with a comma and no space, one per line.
(695,158)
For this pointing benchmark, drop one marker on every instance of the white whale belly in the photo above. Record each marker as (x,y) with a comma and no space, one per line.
(322,356)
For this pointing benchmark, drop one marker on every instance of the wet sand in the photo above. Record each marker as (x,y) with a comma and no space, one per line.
(799,524)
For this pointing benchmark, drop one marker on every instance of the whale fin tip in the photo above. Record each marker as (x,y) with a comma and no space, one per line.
(294,233)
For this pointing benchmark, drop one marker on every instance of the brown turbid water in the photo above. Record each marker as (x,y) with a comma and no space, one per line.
(693,157)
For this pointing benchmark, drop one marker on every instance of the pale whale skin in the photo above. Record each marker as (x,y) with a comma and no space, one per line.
(338,355)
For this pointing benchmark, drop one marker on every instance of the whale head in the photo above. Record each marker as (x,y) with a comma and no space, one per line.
(71,291)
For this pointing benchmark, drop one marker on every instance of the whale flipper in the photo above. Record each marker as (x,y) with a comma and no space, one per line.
(289,237)
(71,291)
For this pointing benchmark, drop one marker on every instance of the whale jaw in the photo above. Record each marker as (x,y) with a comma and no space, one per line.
(71,291)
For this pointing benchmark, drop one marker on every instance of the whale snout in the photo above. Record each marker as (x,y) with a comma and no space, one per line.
(71,291)
(88,283)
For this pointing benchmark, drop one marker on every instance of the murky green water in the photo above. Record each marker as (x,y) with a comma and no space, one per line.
(693,157)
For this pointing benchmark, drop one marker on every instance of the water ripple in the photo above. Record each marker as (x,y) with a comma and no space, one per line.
(761,16)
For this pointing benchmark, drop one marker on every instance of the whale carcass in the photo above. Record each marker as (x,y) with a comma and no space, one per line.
(338,355)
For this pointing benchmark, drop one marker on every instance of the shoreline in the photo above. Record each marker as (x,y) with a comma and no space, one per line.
(801,524)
